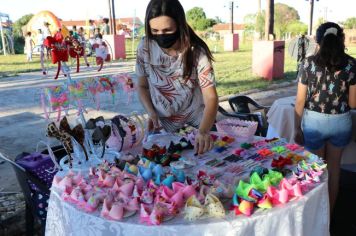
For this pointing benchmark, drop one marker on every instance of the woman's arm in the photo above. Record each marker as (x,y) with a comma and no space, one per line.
(203,139)
(352,96)
(298,112)
(210,98)
(145,98)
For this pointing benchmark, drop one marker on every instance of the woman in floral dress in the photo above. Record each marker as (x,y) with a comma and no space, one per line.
(176,78)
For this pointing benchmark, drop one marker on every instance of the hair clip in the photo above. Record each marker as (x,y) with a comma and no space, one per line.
(246,145)
(281,162)
(264,152)
(279,149)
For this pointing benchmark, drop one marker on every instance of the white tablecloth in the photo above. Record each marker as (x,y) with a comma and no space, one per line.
(280,118)
(308,215)
(281,125)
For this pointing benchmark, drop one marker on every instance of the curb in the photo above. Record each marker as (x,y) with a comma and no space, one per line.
(269,87)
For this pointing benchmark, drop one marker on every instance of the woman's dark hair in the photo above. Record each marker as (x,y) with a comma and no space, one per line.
(28,33)
(106,20)
(190,42)
(331,39)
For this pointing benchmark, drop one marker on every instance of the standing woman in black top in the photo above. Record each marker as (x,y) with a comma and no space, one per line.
(326,93)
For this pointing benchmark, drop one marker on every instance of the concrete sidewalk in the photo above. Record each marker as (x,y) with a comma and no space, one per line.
(22,120)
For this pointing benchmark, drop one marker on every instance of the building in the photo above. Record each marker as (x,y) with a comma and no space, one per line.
(125,24)
(224,28)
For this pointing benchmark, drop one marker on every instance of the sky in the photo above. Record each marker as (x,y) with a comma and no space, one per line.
(336,10)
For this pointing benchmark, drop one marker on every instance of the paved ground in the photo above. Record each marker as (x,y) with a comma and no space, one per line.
(22,119)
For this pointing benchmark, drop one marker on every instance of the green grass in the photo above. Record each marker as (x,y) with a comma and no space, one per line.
(11,65)
(233,70)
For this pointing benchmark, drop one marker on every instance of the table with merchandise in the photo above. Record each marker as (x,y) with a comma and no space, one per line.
(252,186)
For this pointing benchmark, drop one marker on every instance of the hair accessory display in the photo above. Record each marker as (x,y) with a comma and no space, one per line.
(63,137)
(58,98)
(77,133)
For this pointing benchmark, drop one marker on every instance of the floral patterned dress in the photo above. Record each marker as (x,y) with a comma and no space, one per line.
(328,92)
(177,101)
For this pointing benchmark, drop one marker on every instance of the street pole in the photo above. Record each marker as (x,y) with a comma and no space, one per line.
(110,16)
(133,33)
(259,6)
(232,16)
(269,23)
(113,16)
(310,30)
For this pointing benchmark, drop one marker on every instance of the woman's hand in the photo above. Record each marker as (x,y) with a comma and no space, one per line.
(153,123)
(203,142)
(299,136)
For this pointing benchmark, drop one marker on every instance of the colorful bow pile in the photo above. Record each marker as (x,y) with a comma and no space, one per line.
(248,195)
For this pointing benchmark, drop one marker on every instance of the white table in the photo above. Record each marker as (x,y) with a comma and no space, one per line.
(308,215)
(281,125)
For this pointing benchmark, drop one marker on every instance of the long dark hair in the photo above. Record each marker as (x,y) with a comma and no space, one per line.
(331,53)
(190,42)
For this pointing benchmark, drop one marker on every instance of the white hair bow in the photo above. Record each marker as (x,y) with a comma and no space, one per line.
(331,30)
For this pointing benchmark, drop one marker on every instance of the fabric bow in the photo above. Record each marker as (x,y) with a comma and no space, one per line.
(281,162)
(59,51)
(77,133)
(75,49)
(279,149)
(64,138)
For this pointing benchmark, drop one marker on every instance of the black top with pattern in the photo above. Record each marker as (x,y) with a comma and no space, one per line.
(328,92)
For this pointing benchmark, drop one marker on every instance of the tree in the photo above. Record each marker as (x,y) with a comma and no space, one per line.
(19,41)
(17,26)
(197,19)
(350,23)
(283,16)
(297,27)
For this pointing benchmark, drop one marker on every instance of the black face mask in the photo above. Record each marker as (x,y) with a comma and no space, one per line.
(166,40)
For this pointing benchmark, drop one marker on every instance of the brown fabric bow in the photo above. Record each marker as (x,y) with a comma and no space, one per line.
(77,133)
(63,137)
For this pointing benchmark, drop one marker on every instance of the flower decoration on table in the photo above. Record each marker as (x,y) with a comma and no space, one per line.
(59,51)
(243,130)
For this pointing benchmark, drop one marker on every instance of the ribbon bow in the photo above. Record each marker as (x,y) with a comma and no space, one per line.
(75,49)
(279,149)
(77,133)
(281,162)
(63,137)
(59,51)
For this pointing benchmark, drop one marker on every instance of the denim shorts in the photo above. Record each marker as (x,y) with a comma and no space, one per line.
(318,128)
